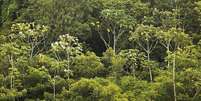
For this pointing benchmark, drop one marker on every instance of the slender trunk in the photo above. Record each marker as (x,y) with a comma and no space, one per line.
(54,87)
(168,50)
(148,58)
(107,44)
(32,50)
(173,77)
(11,77)
(114,43)
(68,66)
(150,71)
(23,75)
(174,62)
(196,94)
(11,82)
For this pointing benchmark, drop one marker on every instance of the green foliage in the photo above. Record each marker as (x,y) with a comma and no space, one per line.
(137,90)
(88,65)
(187,57)
(100,50)
(94,90)
(190,81)
(164,86)
(67,45)
(144,33)
(113,65)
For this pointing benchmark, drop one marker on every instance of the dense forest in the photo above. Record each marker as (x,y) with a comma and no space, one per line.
(100,50)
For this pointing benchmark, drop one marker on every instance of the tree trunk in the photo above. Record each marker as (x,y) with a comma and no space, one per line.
(168,50)
(32,50)
(173,77)
(11,74)
(196,94)
(68,66)
(54,89)
(54,86)
(150,71)
(114,43)
(133,70)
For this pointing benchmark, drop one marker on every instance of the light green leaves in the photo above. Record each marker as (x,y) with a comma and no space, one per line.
(118,18)
(87,65)
(94,89)
(144,32)
(28,31)
(67,44)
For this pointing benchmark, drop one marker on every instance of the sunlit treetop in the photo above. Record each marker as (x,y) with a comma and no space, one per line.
(28,31)
(67,43)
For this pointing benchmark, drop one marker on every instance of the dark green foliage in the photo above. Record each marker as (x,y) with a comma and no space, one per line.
(88,66)
(100,50)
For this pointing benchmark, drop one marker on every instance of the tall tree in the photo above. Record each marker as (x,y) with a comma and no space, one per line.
(180,40)
(66,48)
(145,37)
(115,23)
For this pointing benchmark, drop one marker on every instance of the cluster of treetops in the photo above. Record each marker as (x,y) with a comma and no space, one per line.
(100,50)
